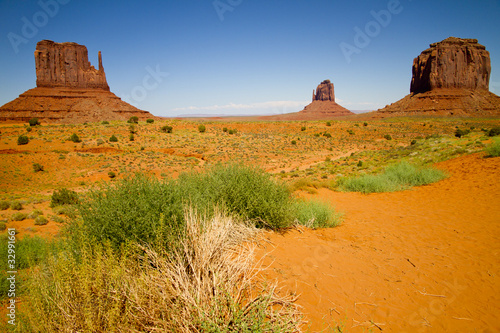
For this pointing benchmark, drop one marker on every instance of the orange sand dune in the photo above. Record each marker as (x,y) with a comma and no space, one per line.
(423,260)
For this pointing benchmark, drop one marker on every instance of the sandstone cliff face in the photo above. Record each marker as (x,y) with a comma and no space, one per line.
(69,90)
(451,78)
(67,65)
(324,92)
(452,63)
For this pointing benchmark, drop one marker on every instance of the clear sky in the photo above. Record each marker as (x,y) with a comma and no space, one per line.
(174,57)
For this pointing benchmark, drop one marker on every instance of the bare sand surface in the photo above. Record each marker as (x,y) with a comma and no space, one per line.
(421,260)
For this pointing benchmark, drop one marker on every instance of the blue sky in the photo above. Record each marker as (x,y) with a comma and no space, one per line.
(176,57)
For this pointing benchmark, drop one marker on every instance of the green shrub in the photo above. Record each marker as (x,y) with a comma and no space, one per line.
(388,137)
(167,129)
(35,213)
(3,226)
(294,142)
(105,122)
(494,131)
(131,137)
(316,214)
(327,135)
(231,132)
(303,128)
(493,150)
(99,142)
(328,123)
(29,129)
(398,177)
(351,132)
(111,174)
(4,205)
(460,132)
(18,216)
(16,205)
(75,138)
(202,128)
(132,129)
(365,124)
(150,121)
(113,138)
(133,120)
(224,129)
(41,220)
(37,167)
(34,122)
(360,164)
(63,197)
(22,140)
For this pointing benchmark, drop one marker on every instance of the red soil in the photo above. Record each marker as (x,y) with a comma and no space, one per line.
(422,260)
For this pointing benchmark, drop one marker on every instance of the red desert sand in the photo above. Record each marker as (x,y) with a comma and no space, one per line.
(422,260)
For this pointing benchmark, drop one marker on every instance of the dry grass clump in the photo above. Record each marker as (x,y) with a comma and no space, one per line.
(208,284)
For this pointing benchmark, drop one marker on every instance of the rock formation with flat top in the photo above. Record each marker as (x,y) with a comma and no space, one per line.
(451,78)
(67,65)
(452,63)
(323,106)
(324,92)
(69,90)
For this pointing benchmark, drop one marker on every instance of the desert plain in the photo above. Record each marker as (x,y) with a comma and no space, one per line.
(419,260)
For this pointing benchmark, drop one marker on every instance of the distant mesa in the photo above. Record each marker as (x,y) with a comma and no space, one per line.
(69,90)
(323,103)
(450,78)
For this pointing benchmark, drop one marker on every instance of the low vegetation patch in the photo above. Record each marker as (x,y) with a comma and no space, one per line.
(63,197)
(493,149)
(398,177)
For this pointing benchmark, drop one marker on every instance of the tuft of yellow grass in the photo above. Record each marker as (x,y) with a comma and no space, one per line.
(210,284)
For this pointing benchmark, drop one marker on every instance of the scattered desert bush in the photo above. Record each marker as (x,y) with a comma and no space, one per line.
(351,132)
(33,122)
(133,120)
(388,137)
(167,129)
(493,149)
(224,129)
(303,128)
(231,132)
(202,128)
(37,167)
(41,220)
(113,138)
(316,214)
(105,122)
(131,137)
(398,177)
(208,285)
(150,121)
(3,226)
(294,142)
(34,214)
(494,131)
(16,205)
(327,135)
(75,138)
(63,197)
(111,174)
(22,140)
(461,132)
(328,123)
(132,129)
(18,216)
(29,129)
(4,205)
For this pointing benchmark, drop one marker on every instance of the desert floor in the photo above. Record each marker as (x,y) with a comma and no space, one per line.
(420,260)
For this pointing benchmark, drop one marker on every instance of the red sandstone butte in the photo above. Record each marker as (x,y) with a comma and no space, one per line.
(451,78)
(69,90)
